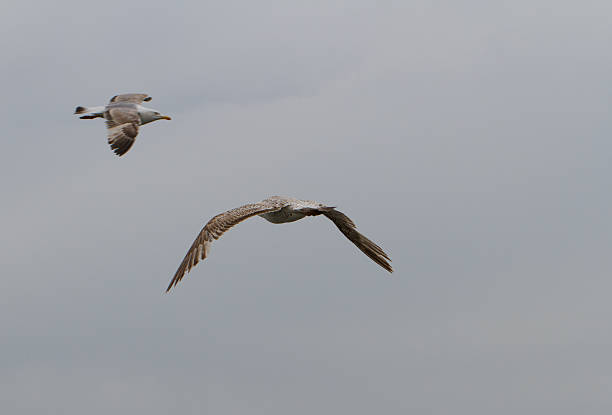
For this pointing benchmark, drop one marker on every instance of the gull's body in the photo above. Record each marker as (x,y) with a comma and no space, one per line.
(276,209)
(124,114)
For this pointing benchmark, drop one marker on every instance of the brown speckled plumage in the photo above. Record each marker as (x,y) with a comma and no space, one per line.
(276,209)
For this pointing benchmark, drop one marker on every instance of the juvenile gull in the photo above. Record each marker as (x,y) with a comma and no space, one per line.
(275,209)
(124,114)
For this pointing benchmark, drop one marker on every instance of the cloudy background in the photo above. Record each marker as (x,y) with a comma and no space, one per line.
(472,141)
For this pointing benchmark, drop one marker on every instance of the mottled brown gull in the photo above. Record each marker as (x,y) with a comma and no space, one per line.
(276,209)
(124,114)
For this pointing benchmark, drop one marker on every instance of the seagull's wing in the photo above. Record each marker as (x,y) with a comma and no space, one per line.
(133,98)
(216,227)
(348,228)
(122,123)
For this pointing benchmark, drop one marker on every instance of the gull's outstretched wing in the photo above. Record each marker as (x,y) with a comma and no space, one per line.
(122,122)
(216,227)
(348,228)
(133,98)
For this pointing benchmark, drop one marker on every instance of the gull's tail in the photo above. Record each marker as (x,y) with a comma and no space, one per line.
(89,113)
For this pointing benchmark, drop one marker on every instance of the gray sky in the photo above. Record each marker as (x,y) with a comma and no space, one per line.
(471,141)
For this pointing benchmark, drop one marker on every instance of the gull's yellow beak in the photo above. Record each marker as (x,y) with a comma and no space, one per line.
(165,117)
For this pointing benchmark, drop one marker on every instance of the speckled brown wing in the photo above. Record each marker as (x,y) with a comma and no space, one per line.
(216,227)
(133,98)
(348,228)
(122,122)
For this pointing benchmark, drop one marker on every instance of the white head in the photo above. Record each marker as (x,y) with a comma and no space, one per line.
(148,115)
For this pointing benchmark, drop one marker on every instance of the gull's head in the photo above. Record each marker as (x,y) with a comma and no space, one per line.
(159,116)
(148,115)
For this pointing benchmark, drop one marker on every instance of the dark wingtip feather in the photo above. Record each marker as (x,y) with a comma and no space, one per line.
(80,110)
(348,228)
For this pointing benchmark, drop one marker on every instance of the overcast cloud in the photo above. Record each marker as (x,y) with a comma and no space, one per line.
(471,140)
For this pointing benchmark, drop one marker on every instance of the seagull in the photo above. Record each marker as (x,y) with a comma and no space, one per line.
(124,114)
(275,209)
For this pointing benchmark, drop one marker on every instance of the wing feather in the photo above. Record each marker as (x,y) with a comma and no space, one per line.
(213,230)
(122,123)
(348,228)
(134,98)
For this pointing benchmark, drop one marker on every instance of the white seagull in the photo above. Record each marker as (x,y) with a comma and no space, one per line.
(124,114)
(275,209)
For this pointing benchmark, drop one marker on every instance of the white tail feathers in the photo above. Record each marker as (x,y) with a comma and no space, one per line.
(88,113)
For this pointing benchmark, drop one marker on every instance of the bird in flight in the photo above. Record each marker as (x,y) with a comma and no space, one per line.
(275,209)
(123,114)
